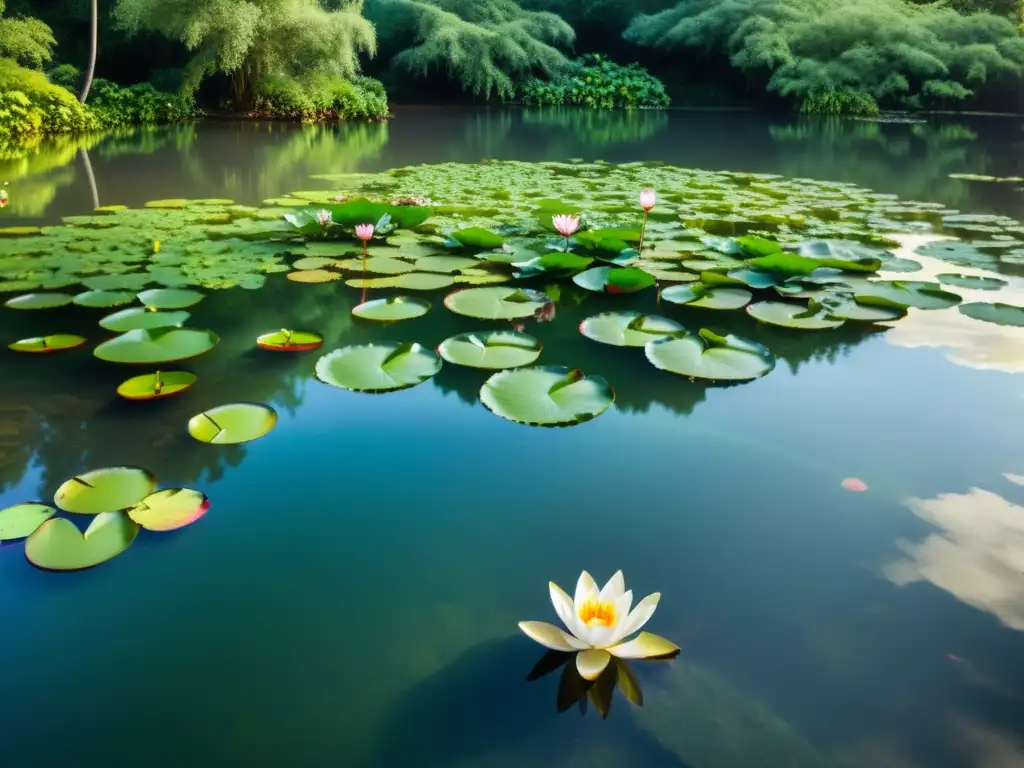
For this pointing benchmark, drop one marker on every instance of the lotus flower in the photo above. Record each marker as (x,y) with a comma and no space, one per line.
(648,198)
(598,622)
(323,217)
(364,231)
(546,313)
(565,225)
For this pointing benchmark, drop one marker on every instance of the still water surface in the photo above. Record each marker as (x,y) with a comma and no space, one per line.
(352,596)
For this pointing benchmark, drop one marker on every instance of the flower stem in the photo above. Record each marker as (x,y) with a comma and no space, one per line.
(566,243)
(643,231)
(364,258)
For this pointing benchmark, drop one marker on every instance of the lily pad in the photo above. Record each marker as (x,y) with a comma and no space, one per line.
(105,490)
(614,280)
(43,345)
(157,345)
(701,295)
(232,423)
(546,396)
(151,386)
(444,264)
(411,281)
(710,356)
(312,262)
(496,303)
(21,520)
(170,298)
(378,367)
(628,329)
(813,318)
(140,318)
(39,301)
(130,282)
(377,265)
(971,281)
(313,276)
(392,309)
(58,545)
(104,299)
(170,509)
(492,350)
(477,237)
(290,341)
(1000,314)
(554,263)
(905,294)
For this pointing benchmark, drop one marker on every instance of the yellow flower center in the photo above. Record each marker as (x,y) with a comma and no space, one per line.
(595,613)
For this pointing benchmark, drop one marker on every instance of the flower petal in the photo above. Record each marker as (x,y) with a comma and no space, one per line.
(586,589)
(590,664)
(643,646)
(639,616)
(564,608)
(550,636)
(615,587)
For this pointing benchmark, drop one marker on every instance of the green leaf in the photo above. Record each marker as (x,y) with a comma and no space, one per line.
(1000,314)
(151,386)
(411,281)
(392,309)
(700,295)
(105,490)
(628,329)
(610,240)
(158,345)
(477,237)
(614,280)
(170,298)
(140,318)
(496,303)
(892,293)
(710,356)
(170,509)
(378,367)
(39,301)
(793,316)
(971,281)
(58,545)
(362,211)
(232,423)
(757,246)
(554,263)
(21,520)
(42,345)
(546,396)
(444,264)
(104,299)
(290,341)
(492,350)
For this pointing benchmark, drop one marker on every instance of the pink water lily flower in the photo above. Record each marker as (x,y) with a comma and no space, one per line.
(648,198)
(566,225)
(854,484)
(599,621)
(323,217)
(364,231)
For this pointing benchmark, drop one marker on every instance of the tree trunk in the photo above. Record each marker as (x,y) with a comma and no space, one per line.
(94,24)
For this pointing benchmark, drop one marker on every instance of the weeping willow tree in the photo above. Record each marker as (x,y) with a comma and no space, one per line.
(487,46)
(27,41)
(251,40)
(892,52)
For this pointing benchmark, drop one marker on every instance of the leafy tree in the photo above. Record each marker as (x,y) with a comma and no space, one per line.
(487,46)
(27,41)
(251,40)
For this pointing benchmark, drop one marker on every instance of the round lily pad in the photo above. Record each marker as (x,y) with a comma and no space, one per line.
(157,345)
(614,280)
(170,298)
(411,281)
(140,318)
(103,299)
(392,309)
(378,367)
(546,396)
(58,545)
(701,295)
(845,308)
(710,356)
(971,281)
(21,520)
(1000,314)
(377,265)
(170,509)
(496,303)
(798,316)
(313,276)
(151,386)
(42,345)
(492,350)
(105,490)
(312,262)
(894,293)
(39,301)
(232,423)
(290,341)
(628,329)
(445,264)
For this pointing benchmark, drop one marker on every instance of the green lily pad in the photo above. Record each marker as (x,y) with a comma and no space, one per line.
(557,263)
(381,367)
(757,246)
(105,490)
(491,349)
(170,509)
(546,396)
(392,309)
(39,301)
(893,293)
(104,299)
(362,211)
(614,280)
(701,295)
(313,276)
(232,423)
(170,298)
(377,265)
(156,345)
(151,386)
(129,282)
(140,318)
(477,237)
(21,520)
(792,264)
(813,318)
(609,240)
(710,356)
(1000,314)
(628,329)
(846,308)
(411,281)
(971,281)
(312,262)
(496,303)
(19,231)
(43,345)
(58,545)
(290,341)
(444,264)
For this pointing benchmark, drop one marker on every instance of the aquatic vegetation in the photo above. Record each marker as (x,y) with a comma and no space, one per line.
(147,346)
(105,490)
(628,329)
(20,520)
(706,355)
(392,309)
(151,386)
(378,367)
(546,396)
(232,423)
(599,621)
(58,545)
(290,341)
(44,345)
(493,350)
(170,509)
(39,301)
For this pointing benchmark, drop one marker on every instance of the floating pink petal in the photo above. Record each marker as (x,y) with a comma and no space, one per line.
(854,484)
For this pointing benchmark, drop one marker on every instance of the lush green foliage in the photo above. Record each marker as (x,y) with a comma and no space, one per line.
(489,47)
(598,83)
(893,51)
(118,106)
(27,41)
(839,103)
(31,104)
(321,96)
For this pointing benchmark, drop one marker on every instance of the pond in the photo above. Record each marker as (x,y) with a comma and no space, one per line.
(794,410)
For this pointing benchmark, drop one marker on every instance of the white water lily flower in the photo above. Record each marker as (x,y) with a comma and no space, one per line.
(598,622)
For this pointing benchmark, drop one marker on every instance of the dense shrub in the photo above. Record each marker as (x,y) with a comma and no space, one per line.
(117,106)
(839,103)
(31,104)
(26,41)
(320,96)
(597,83)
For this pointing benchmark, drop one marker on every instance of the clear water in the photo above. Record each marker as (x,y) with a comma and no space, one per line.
(352,596)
